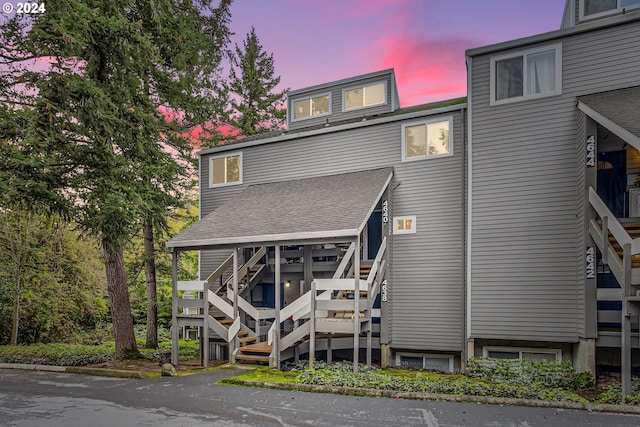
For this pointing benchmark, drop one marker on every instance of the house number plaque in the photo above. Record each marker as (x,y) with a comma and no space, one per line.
(591,262)
(384,293)
(591,151)
(385,211)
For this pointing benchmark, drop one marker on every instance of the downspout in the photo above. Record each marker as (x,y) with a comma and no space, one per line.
(200,213)
(469,199)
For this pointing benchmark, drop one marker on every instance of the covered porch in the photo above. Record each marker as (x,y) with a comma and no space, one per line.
(299,276)
(612,182)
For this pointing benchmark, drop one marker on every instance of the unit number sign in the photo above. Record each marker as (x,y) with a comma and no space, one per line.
(384,291)
(591,151)
(590,258)
(385,211)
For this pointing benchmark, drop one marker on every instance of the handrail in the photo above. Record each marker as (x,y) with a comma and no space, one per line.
(234,329)
(345,261)
(301,303)
(220,270)
(244,270)
(220,304)
(252,311)
(614,225)
(377,260)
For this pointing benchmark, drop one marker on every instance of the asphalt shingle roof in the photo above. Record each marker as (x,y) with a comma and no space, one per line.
(620,106)
(319,207)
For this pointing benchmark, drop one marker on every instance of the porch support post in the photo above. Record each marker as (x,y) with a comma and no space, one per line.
(329,348)
(307,267)
(204,337)
(175,348)
(356,305)
(605,240)
(312,326)
(369,340)
(233,343)
(276,341)
(626,324)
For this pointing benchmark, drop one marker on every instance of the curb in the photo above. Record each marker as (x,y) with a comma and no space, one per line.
(113,373)
(592,407)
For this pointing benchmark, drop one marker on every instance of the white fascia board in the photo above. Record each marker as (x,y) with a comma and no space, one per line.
(338,128)
(552,35)
(610,124)
(375,203)
(239,240)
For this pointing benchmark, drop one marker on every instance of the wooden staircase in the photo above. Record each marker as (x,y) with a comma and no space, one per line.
(634,231)
(254,353)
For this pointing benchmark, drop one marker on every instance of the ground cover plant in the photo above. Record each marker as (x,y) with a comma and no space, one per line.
(539,380)
(82,354)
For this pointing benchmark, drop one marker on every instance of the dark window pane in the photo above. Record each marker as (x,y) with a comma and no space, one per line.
(509,78)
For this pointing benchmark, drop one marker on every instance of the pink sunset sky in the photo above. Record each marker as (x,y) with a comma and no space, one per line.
(319,41)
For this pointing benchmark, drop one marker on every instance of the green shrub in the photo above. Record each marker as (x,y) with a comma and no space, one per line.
(341,375)
(613,394)
(529,373)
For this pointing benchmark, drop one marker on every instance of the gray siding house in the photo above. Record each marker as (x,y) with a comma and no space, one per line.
(499,225)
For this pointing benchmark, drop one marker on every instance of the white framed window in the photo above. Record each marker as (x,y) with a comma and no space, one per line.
(364,96)
(404,224)
(427,139)
(305,108)
(597,8)
(225,170)
(521,353)
(524,75)
(431,362)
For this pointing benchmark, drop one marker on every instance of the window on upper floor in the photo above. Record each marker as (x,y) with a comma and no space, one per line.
(311,107)
(595,8)
(364,96)
(426,139)
(225,170)
(531,74)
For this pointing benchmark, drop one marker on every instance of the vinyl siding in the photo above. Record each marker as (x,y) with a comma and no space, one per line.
(527,278)
(426,284)
(336,103)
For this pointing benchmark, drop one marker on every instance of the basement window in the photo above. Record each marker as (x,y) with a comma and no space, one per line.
(521,353)
(430,362)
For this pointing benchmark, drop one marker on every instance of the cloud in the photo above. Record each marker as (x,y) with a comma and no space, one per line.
(426,69)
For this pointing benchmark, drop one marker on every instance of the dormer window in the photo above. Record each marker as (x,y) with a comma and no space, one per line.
(311,107)
(364,96)
(596,8)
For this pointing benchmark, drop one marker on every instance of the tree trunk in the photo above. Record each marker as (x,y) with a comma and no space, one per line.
(152,300)
(119,298)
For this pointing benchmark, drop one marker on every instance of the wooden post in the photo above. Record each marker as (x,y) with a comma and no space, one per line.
(329,349)
(356,306)
(175,347)
(626,324)
(204,337)
(605,240)
(276,341)
(312,326)
(233,343)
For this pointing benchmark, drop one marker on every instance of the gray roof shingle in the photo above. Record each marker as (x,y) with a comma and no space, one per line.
(321,207)
(620,106)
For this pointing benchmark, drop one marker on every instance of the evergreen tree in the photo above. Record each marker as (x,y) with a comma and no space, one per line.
(254,106)
(105,123)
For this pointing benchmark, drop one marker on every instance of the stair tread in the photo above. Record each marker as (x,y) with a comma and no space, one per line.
(253,357)
(261,347)
(247,339)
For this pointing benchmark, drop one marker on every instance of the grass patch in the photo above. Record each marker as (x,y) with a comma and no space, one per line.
(269,375)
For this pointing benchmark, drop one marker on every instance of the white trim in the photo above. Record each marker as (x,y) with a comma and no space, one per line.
(426,123)
(293,101)
(375,203)
(330,234)
(336,128)
(404,218)
(525,96)
(469,196)
(199,210)
(520,350)
(425,356)
(610,125)
(618,9)
(225,155)
(363,87)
